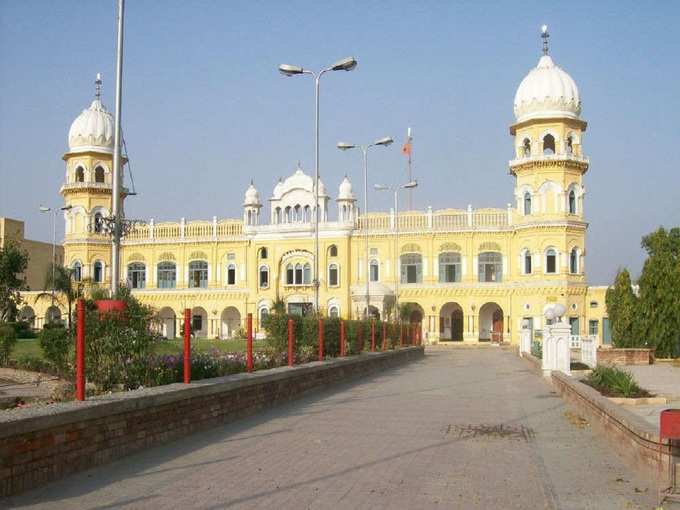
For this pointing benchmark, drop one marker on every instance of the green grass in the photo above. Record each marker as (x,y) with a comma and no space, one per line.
(27,347)
(614,382)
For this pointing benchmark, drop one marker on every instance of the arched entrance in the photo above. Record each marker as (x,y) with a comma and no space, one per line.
(167,317)
(451,323)
(231,322)
(27,314)
(199,322)
(373,312)
(491,323)
(52,315)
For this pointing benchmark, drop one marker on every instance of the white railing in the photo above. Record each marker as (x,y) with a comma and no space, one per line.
(589,351)
(575,341)
(549,157)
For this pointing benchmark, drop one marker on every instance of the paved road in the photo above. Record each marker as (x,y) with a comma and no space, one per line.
(427,435)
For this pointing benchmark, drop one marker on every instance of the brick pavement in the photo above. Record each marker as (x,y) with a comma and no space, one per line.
(472,429)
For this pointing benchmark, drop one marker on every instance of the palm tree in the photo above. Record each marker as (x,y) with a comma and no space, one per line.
(62,280)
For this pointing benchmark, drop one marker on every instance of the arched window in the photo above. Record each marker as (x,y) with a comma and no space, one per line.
(80,174)
(99,174)
(332,251)
(527,203)
(98,223)
(297,213)
(287,215)
(307,274)
(198,274)
(290,274)
(374,270)
(298,274)
(136,275)
(264,277)
(263,253)
(411,268)
(490,267)
(449,267)
(572,202)
(166,275)
(264,313)
(98,272)
(526,147)
(333,275)
(333,312)
(551,261)
(548,144)
(277,215)
(307,216)
(77,271)
(573,261)
(570,145)
(231,274)
(527,262)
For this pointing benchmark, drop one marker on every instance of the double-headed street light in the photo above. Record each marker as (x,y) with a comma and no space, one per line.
(395,190)
(44,209)
(383,142)
(346,64)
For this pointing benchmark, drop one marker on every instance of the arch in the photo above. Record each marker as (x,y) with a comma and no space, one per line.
(198,274)
(286,215)
(450,247)
(411,268)
(199,322)
(451,322)
(298,274)
(27,314)
(297,213)
(98,271)
(548,144)
(263,253)
(449,267)
(569,144)
(571,202)
(99,174)
(98,223)
(307,274)
(262,314)
(198,255)
(491,322)
(80,174)
(166,256)
(290,274)
(332,251)
(526,261)
(277,215)
(333,275)
(526,147)
(167,320)
(263,276)
(231,274)
(306,214)
(136,275)
(490,267)
(551,261)
(574,261)
(166,275)
(410,248)
(412,312)
(230,323)
(77,271)
(527,203)
(373,313)
(334,311)
(374,270)
(52,315)
(489,246)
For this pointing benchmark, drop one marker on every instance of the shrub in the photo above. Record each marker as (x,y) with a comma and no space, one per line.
(55,343)
(537,349)
(614,382)
(8,338)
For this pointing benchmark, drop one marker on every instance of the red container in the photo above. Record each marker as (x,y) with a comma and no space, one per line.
(112,308)
(670,424)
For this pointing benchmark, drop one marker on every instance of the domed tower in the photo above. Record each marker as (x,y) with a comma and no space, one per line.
(251,206)
(87,190)
(549,166)
(346,202)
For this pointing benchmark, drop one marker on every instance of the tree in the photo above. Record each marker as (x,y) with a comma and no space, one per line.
(63,281)
(13,262)
(660,292)
(622,307)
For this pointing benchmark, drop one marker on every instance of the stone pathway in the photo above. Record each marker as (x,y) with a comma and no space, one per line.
(469,429)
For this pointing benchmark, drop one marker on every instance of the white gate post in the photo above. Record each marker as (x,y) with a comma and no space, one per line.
(525,338)
(556,342)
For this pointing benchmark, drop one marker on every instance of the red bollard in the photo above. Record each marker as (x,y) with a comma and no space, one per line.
(187,346)
(384,336)
(249,343)
(80,350)
(372,336)
(291,341)
(342,337)
(320,339)
(401,335)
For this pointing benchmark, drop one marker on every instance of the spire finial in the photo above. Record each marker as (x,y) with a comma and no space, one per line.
(544,36)
(98,86)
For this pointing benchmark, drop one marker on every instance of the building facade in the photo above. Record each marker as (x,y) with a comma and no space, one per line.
(470,274)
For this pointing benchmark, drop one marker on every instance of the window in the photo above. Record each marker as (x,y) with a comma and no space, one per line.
(526,147)
(593,327)
(575,325)
(593,304)
(287,215)
(98,272)
(298,274)
(307,274)
(231,274)
(290,274)
(333,275)
(264,277)
(411,268)
(527,203)
(198,274)
(196,323)
(490,267)
(333,251)
(263,253)
(166,275)
(306,214)
(136,275)
(297,215)
(77,271)
(572,202)
(606,332)
(551,261)
(80,174)
(449,267)
(527,262)
(98,223)
(333,312)
(548,144)
(264,313)
(374,270)
(573,261)
(570,145)
(277,215)
(99,174)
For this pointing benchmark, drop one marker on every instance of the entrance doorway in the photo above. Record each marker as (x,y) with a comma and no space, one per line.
(491,323)
(451,323)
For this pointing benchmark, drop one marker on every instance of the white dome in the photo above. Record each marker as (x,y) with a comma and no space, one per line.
(299,180)
(252,197)
(345,191)
(547,91)
(92,130)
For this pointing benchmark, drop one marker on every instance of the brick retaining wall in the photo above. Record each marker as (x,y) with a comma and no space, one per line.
(42,444)
(616,356)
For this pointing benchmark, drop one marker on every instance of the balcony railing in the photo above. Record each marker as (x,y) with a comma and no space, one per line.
(193,230)
(439,221)
(548,157)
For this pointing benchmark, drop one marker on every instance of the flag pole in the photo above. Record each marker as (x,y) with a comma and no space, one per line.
(410,176)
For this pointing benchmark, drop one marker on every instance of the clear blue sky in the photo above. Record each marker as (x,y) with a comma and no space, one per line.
(205,109)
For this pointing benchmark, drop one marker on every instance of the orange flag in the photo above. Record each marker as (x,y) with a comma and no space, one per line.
(406,149)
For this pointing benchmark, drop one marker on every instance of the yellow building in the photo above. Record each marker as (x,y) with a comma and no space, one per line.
(471,274)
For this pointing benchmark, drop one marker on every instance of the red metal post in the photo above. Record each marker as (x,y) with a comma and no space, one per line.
(320,339)
(342,337)
(187,346)
(291,341)
(384,336)
(372,336)
(249,343)
(80,350)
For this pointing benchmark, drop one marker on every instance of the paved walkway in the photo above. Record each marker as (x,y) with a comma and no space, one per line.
(469,429)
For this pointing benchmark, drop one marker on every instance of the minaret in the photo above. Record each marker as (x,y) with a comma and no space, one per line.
(346,202)
(251,206)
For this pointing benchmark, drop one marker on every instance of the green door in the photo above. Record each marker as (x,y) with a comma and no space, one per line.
(606,332)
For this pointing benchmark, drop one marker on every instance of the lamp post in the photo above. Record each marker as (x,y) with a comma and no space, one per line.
(117,212)
(383,142)
(44,209)
(346,64)
(395,189)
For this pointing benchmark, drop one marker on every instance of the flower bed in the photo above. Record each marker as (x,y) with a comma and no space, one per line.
(613,382)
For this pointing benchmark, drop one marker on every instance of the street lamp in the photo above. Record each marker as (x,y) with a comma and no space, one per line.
(44,209)
(346,64)
(383,142)
(395,190)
